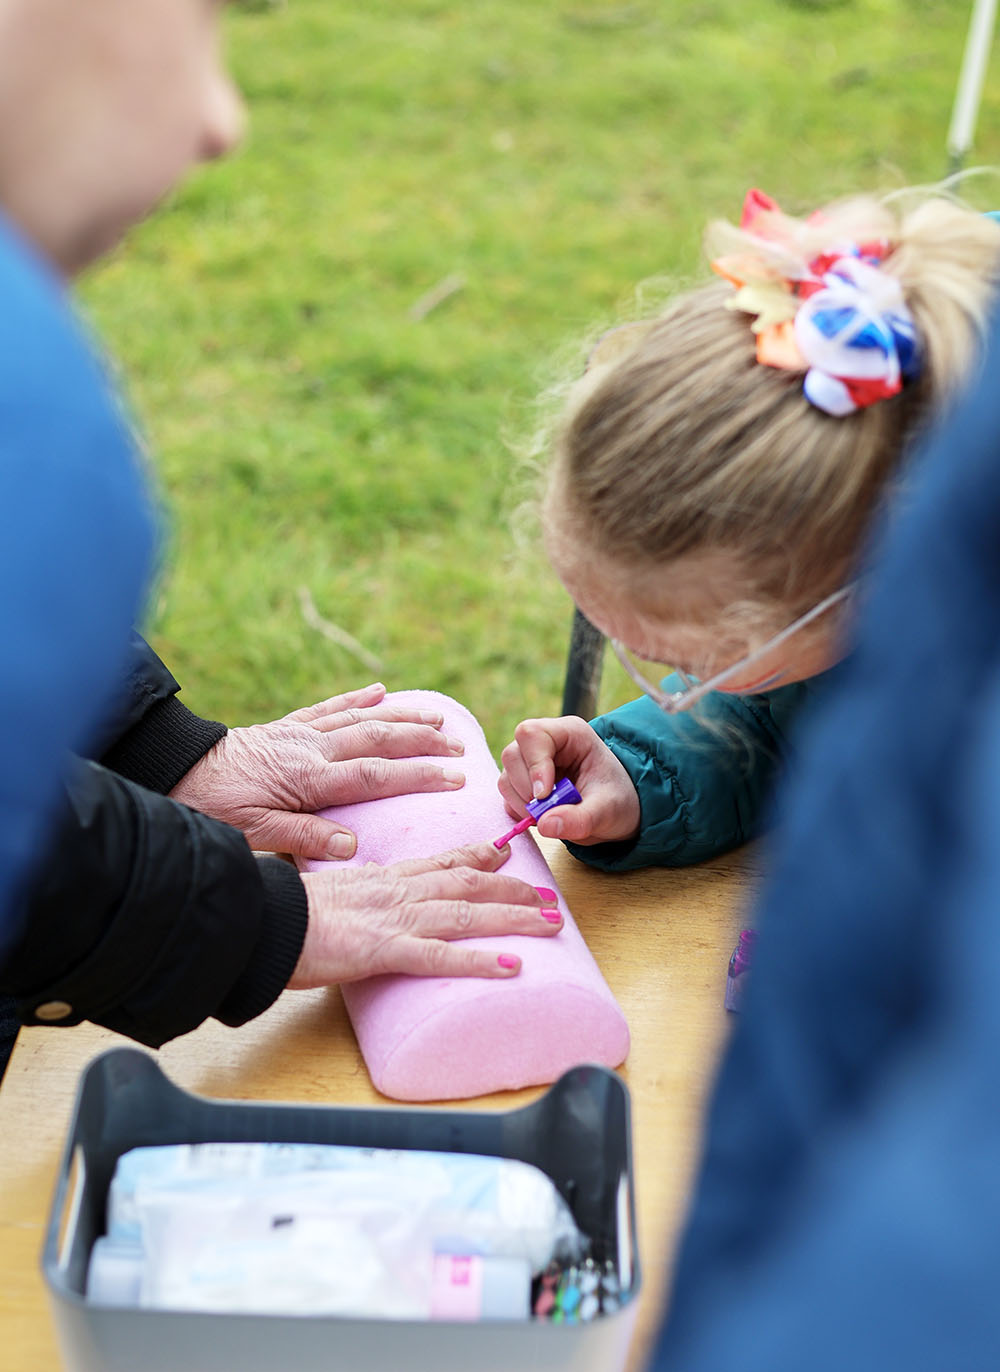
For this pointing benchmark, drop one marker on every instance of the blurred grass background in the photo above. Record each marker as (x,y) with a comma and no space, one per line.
(553,153)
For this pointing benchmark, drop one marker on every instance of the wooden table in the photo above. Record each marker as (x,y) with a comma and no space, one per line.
(663,940)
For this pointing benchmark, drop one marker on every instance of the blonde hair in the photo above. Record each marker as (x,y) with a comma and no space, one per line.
(686,444)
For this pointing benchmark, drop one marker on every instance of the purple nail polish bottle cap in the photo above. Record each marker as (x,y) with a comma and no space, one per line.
(564,793)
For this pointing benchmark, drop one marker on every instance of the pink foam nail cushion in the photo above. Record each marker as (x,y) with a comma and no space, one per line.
(436,1038)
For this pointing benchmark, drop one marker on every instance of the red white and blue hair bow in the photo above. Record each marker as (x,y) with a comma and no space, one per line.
(838,317)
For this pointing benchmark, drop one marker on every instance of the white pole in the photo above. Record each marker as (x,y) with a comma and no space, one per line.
(970,82)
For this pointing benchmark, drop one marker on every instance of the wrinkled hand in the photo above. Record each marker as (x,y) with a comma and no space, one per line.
(568,747)
(268,779)
(367,920)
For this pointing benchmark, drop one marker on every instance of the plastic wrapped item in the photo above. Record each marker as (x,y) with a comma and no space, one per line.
(285,1229)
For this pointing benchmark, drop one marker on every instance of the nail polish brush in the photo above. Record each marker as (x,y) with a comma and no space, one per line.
(564,793)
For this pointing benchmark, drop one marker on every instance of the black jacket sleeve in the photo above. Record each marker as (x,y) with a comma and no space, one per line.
(148,918)
(151,737)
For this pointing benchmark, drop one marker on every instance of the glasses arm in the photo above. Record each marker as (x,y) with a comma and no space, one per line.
(676,701)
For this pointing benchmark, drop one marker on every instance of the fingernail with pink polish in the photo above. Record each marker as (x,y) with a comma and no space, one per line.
(506,960)
(548,895)
(553,916)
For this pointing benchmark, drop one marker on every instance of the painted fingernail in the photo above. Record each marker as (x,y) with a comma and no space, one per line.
(547,894)
(455,745)
(506,960)
(453,778)
(429,717)
(553,916)
(341,846)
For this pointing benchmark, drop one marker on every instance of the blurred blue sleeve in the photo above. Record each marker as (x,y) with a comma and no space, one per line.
(76,544)
(847,1212)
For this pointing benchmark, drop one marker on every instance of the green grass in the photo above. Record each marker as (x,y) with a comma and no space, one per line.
(308,432)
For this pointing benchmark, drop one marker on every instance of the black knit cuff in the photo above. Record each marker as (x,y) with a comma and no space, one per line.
(163,746)
(286,918)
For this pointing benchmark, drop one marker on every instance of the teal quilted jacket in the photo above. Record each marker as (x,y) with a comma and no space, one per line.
(704,779)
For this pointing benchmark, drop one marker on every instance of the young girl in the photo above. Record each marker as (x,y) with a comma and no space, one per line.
(713,477)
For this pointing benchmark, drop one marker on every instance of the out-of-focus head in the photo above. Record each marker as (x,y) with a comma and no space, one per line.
(104,105)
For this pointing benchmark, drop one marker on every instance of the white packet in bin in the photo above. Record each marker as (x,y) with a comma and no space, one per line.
(277,1228)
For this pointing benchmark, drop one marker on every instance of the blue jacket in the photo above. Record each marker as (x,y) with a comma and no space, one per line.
(848,1209)
(705,779)
(76,544)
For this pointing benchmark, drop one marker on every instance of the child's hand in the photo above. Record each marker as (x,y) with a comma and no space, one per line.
(545,748)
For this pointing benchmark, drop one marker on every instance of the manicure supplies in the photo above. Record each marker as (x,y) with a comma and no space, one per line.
(739,966)
(306,1229)
(578,1293)
(564,793)
(577,1133)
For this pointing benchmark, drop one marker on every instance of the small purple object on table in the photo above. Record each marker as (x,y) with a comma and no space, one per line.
(739,965)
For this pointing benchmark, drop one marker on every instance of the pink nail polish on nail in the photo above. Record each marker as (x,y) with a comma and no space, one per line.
(505,960)
(553,916)
(546,893)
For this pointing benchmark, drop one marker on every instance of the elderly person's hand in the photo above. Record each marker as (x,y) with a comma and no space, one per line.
(268,779)
(367,920)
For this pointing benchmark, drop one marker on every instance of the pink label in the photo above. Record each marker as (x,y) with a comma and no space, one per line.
(456,1288)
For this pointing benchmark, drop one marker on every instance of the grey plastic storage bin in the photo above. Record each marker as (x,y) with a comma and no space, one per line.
(578,1133)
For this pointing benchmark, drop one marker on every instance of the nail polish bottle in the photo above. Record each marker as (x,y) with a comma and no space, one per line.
(739,966)
(563,793)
